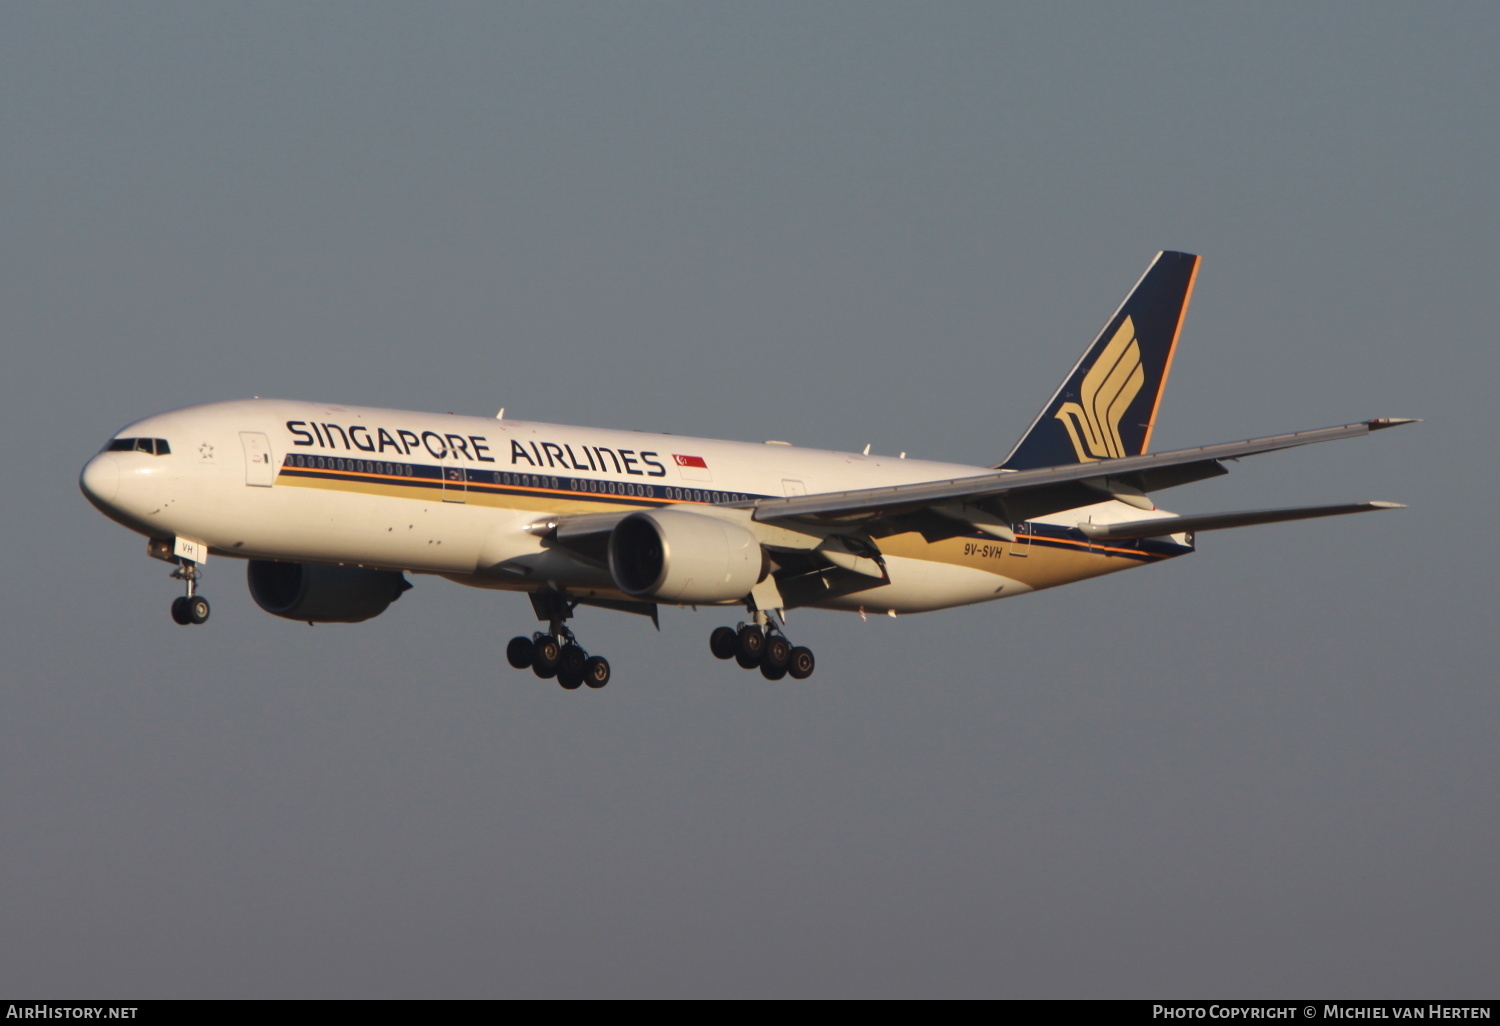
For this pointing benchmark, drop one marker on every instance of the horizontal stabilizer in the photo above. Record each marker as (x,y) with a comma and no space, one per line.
(1219,521)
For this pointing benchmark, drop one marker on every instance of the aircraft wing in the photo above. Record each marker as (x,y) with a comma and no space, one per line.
(1013,496)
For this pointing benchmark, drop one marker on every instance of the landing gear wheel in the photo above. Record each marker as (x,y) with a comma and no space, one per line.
(197,609)
(802,663)
(750,645)
(771,672)
(180,611)
(596,672)
(722,642)
(520,652)
(778,655)
(570,666)
(545,656)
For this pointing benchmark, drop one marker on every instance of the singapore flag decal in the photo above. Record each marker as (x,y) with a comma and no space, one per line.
(692,468)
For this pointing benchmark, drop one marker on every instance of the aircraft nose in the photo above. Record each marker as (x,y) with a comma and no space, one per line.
(100,479)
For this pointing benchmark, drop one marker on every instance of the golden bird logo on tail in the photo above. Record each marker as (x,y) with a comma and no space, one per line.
(1109,387)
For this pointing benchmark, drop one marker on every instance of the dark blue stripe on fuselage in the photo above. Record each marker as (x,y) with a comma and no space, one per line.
(497,482)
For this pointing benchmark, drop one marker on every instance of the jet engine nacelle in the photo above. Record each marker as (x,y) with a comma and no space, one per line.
(323,594)
(685,558)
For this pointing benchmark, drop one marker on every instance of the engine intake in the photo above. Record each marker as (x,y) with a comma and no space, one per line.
(323,594)
(685,558)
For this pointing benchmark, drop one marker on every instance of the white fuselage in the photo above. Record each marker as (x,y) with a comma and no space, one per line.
(459,496)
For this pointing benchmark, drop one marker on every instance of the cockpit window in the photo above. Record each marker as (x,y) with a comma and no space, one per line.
(154,446)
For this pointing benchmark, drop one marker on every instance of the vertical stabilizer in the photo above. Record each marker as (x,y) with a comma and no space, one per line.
(1107,405)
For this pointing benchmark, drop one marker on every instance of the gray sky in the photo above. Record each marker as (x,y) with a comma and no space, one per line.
(1268,769)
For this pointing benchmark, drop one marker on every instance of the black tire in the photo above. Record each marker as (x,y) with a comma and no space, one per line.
(570,666)
(722,642)
(520,652)
(750,645)
(180,611)
(802,663)
(545,655)
(778,654)
(572,659)
(596,672)
(771,672)
(197,609)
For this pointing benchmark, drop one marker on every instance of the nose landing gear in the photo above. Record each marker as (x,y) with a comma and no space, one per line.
(191,608)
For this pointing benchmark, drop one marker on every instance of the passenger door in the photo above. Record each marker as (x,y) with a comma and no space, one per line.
(259,471)
(455,478)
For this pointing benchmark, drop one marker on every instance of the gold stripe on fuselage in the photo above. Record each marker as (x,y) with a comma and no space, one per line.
(1035,560)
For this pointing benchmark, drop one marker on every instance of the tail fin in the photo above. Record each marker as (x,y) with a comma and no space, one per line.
(1106,407)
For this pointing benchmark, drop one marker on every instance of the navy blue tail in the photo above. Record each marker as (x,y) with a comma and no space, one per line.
(1106,407)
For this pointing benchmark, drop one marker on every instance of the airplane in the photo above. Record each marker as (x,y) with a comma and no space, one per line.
(331,506)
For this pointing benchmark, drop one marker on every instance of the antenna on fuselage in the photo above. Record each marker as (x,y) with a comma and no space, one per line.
(501,414)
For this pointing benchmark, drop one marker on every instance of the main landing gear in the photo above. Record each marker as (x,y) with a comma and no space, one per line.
(555,652)
(191,608)
(765,646)
(558,655)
